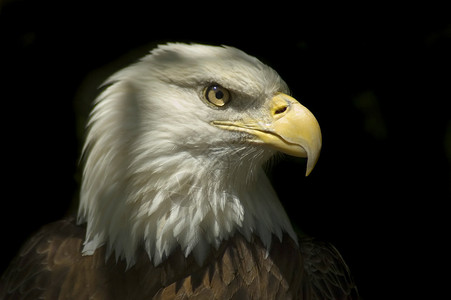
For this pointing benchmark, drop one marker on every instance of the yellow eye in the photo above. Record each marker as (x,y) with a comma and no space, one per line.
(217,95)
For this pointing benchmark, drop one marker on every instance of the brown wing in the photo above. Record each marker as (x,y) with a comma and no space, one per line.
(243,270)
(328,276)
(50,266)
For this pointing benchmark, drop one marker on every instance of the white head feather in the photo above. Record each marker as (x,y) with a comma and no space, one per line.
(158,175)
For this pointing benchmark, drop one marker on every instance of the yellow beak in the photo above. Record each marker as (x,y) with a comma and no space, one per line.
(292,129)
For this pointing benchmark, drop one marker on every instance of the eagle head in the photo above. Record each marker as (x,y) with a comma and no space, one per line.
(174,153)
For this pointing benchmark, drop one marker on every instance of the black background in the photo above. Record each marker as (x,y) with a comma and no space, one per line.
(377,79)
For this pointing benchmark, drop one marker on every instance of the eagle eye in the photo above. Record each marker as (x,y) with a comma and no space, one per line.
(217,95)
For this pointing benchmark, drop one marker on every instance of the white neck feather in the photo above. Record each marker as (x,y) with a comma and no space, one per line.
(179,201)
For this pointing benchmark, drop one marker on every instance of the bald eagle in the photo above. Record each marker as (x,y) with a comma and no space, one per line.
(174,202)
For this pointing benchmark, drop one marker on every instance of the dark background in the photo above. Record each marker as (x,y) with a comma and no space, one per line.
(377,79)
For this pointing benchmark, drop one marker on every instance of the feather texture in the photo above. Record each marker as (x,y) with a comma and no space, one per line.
(50,266)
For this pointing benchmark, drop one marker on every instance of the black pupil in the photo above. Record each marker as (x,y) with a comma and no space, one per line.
(219,94)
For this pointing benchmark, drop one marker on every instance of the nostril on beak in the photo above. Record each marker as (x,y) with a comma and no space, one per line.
(280,106)
(280,110)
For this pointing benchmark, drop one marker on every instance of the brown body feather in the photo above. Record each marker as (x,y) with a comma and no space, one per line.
(50,266)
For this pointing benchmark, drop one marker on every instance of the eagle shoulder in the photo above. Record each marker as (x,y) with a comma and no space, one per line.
(327,275)
(50,265)
(31,269)
(242,269)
